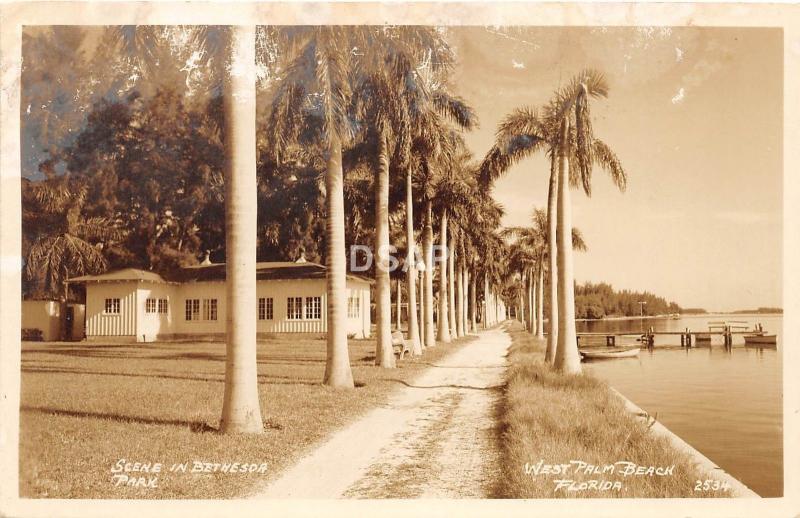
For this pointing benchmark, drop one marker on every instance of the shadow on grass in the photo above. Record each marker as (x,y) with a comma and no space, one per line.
(263,378)
(194,426)
(497,487)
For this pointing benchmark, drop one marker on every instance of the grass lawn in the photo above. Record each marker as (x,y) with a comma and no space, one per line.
(557,418)
(85,406)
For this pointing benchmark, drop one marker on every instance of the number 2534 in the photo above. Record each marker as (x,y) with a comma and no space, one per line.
(711,485)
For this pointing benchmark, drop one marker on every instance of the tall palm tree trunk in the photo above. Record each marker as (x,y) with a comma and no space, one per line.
(422,303)
(552,231)
(430,332)
(411,271)
(567,357)
(532,305)
(465,274)
(451,285)
(536,301)
(443,324)
(460,297)
(467,326)
(337,367)
(540,308)
(486,301)
(398,314)
(241,411)
(384,355)
(473,292)
(523,301)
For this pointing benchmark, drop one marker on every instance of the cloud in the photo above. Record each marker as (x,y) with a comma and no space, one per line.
(517,64)
(678,97)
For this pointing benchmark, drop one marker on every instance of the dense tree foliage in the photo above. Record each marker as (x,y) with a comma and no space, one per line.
(601,300)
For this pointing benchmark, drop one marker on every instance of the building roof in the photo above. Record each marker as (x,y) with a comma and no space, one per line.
(216,272)
(125,274)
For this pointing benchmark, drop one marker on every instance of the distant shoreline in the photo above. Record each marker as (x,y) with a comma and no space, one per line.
(667,317)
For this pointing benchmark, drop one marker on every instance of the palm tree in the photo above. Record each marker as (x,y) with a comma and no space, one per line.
(150,47)
(411,270)
(68,244)
(316,86)
(519,135)
(525,257)
(451,283)
(565,131)
(241,411)
(444,325)
(576,142)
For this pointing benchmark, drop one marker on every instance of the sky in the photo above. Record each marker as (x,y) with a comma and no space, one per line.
(695,116)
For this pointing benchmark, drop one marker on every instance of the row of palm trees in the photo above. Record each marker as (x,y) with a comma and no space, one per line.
(388,87)
(383,90)
(528,257)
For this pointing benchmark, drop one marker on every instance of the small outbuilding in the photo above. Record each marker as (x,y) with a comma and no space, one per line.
(142,306)
(41,320)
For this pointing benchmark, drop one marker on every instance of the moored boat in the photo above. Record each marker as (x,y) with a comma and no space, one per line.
(760,339)
(604,354)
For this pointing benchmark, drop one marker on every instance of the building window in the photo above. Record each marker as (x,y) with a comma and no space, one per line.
(111,307)
(313,308)
(150,306)
(265,308)
(209,309)
(163,306)
(353,307)
(294,308)
(192,309)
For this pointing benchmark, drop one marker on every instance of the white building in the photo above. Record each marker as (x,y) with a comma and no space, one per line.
(141,306)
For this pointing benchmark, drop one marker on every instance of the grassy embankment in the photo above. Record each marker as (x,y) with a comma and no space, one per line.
(85,406)
(555,418)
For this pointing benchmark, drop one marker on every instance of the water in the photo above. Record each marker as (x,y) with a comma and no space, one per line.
(726,404)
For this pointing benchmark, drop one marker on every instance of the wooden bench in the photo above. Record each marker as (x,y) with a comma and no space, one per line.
(400,345)
(32,334)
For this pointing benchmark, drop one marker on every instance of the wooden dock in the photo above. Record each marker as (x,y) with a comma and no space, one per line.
(687,336)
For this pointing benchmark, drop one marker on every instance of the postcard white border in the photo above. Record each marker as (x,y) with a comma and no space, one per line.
(14,15)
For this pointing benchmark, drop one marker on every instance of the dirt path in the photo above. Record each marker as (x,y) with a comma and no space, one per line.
(434,438)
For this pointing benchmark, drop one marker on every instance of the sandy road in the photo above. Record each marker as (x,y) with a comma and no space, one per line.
(434,438)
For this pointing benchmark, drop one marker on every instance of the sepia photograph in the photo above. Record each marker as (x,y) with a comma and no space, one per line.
(388,256)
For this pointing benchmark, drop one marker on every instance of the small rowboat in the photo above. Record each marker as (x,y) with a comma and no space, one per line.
(702,337)
(607,354)
(760,339)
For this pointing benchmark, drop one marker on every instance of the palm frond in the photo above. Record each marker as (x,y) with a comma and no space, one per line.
(577,240)
(519,135)
(607,159)
(565,98)
(455,109)
(583,139)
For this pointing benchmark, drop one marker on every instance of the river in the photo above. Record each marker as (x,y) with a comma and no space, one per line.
(728,404)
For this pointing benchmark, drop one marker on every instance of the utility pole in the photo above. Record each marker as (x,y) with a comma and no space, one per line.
(641,314)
